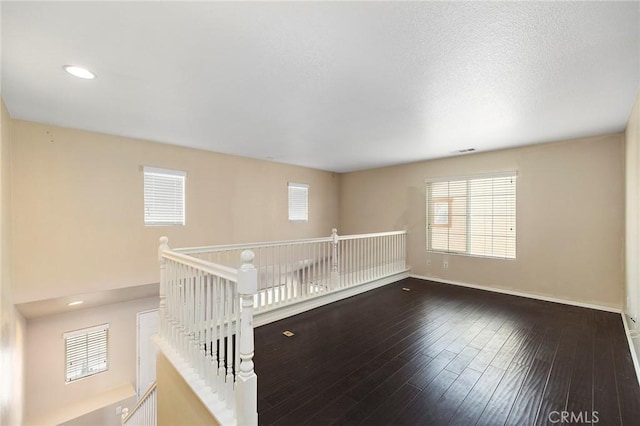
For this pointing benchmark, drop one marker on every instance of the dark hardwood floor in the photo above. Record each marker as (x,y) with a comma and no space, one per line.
(441,354)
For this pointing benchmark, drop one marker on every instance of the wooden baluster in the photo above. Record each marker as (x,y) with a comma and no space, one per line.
(295,276)
(378,259)
(236,319)
(215,335)
(185,315)
(175,303)
(221,350)
(189,314)
(334,258)
(290,273)
(398,252)
(325,260)
(263,269)
(305,268)
(348,272)
(368,242)
(247,381)
(327,264)
(359,278)
(404,251)
(356,257)
(191,304)
(207,329)
(386,247)
(168,306)
(263,288)
(279,260)
(201,321)
(361,255)
(177,306)
(229,328)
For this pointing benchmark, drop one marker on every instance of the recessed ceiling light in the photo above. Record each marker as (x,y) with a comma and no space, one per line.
(77,302)
(79,72)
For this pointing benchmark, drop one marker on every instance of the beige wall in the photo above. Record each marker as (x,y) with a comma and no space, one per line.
(177,404)
(570,209)
(78,207)
(632,278)
(105,416)
(12,325)
(47,394)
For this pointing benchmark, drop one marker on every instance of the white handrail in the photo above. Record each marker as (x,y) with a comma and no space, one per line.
(145,411)
(372,235)
(201,265)
(249,246)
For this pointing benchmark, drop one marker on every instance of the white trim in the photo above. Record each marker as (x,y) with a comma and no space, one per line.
(632,349)
(471,177)
(87,330)
(209,399)
(520,293)
(161,171)
(276,314)
(298,185)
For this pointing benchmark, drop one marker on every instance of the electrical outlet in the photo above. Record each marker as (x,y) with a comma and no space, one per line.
(445,264)
(118,410)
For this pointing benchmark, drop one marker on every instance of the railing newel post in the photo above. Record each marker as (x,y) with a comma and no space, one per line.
(246,379)
(335,275)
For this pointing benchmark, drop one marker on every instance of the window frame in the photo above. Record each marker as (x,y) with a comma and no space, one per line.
(297,187)
(87,359)
(180,218)
(430,201)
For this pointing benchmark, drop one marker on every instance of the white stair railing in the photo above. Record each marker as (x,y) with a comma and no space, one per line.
(293,271)
(206,330)
(208,296)
(145,411)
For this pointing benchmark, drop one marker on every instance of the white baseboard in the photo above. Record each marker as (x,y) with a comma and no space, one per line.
(521,294)
(632,349)
(278,313)
(634,355)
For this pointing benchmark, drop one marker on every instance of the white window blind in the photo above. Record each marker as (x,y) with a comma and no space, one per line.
(473,215)
(86,352)
(298,201)
(163,197)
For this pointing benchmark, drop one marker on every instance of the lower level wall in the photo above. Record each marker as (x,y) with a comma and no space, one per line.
(48,397)
(177,404)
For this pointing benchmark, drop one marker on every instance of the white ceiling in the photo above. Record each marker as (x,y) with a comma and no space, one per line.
(59,305)
(337,86)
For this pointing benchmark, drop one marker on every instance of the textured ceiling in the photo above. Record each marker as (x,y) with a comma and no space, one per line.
(337,86)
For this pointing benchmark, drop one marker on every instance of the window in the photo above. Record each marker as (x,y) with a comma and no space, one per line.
(473,216)
(86,352)
(163,197)
(298,202)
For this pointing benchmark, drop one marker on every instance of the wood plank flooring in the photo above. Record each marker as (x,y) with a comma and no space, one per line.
(440,354)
